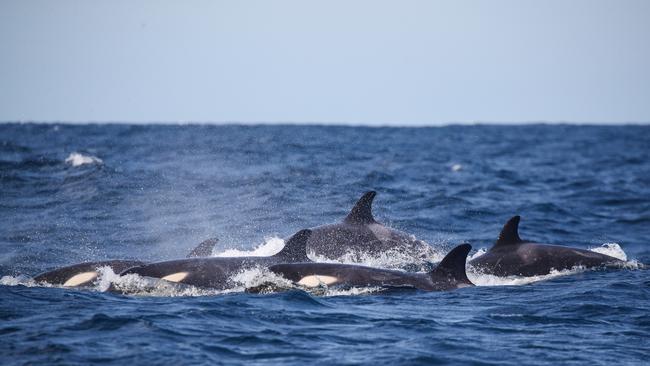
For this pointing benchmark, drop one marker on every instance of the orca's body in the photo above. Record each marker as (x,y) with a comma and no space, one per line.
(359,233)
(511,256)
(450,274)
(84,274)
(216,272)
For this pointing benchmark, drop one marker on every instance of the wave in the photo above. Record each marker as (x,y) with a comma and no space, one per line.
(77,159)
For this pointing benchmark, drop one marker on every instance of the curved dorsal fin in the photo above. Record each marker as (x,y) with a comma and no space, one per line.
(204,249)
(361,213)
(295,248)
(453,264)
(509,234)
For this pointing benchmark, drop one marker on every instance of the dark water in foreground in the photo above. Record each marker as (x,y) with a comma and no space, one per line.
(153,192)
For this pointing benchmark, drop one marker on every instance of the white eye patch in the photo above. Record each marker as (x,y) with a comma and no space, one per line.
(317,280)
(80,279)
(176,277)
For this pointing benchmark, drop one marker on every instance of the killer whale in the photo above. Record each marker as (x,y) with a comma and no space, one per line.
(215,272)
(448,275)
(512,256)
(84,274)
(359,233)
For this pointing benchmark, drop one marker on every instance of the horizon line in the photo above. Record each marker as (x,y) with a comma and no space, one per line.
(333,123)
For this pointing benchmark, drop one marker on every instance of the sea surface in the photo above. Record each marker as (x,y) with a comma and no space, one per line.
(73,193)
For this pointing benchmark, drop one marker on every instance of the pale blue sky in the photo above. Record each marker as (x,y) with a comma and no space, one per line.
(361,62)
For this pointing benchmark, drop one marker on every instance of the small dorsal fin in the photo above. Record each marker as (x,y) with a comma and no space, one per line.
(295,248)
(204,249)
(509,234)
(361,213)
(453,264)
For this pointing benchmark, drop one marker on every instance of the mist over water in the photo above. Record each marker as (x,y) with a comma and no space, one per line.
(76,193)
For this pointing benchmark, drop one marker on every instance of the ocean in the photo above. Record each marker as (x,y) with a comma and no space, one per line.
(74,193)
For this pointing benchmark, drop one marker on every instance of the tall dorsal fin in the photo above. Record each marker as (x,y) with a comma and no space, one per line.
(295,248)
(361,213)
(204,249)
(509,234)
(453,264)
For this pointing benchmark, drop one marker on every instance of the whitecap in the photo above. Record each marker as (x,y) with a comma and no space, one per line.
(76,159)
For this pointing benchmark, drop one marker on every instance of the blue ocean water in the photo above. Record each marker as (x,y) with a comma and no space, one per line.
(74,193)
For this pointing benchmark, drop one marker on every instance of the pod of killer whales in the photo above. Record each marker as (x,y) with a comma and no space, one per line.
(358,232)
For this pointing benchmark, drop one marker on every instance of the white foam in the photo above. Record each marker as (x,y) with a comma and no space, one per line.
(353,291)
(481,279)
(19,280)
(77,159)
(612,250)
(478,253)
(133,284)
(258,276)
(261,276)
(270,247)
(105,277)
(391,259)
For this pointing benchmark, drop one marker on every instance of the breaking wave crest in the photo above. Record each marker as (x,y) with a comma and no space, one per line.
(77,159)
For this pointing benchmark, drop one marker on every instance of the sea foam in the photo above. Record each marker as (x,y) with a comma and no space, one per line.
(77,159)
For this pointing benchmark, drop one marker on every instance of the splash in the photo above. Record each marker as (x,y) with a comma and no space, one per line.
(271,246)
(261,280)
(20,280)
(478,253)
(353,291)
(481,279)
(391,259)
(76,159)
(612,250)
(135,285)
(258,277)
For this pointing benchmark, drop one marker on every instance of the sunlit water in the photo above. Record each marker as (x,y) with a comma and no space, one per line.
(75,193)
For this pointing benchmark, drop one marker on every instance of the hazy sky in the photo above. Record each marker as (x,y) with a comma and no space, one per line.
(370,62)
